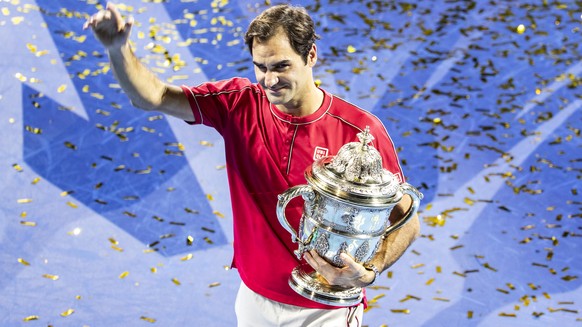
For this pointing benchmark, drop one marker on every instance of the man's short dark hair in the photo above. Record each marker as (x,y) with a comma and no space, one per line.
(295,22)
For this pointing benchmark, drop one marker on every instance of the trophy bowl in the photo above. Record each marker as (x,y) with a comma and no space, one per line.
(347,206)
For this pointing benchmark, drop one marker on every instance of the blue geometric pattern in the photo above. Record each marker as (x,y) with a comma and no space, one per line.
(112,216)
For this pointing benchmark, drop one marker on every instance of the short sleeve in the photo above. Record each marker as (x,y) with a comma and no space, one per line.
(212,102)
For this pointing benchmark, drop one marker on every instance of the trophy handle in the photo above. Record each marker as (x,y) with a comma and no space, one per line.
(406,188)
(285,197)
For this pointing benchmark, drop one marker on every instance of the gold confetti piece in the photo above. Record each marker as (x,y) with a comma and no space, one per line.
(70,145)
(502,291)
(17,20)
(214,284)
(123,274)
(209,197)
(469,314)
(405,311)
(49,276)
(144,171)
(547,296)
(486,265)
(157,117)
(218,214)
(33,130)
(566,303)
(24,200)
(24,262)
(430,281)
(187,257)
(154,270)
(376,298)
(61,88)
(31,318)
(17,167)
(206,143)
(117,248)
(130,214)
(67,313)
(113,241)
(75,232)
(520,29)
(189,240)
(23,214)
(28,223)
(35,180)
(176,281)
(169,235)
(441,299)
(72,205)
(97,96)
(537,314)
(20,77)
(351,49)
(511,315)
(410,297)
(569,278)
(152,320)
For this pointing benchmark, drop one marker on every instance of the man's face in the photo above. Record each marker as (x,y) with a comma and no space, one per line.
(281,72)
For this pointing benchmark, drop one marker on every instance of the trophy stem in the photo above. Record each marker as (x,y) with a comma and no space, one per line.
(311,285)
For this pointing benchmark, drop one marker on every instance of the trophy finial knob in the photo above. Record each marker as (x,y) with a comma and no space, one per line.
(365,137)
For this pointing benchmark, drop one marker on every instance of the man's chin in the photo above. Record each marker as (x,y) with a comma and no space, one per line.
(276,100)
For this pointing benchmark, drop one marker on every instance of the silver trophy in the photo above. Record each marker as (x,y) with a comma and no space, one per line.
(347,205)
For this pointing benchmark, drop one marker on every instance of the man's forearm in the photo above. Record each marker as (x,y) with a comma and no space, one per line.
(396,243)
(143,88)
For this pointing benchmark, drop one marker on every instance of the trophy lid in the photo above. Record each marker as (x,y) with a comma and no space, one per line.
(355,175)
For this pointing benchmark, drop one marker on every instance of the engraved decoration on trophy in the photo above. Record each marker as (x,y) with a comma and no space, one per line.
(347,206)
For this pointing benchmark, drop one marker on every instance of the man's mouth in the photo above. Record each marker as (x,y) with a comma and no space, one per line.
(276,89)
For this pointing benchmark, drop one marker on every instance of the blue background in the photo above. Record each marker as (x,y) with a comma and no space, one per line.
(98,199)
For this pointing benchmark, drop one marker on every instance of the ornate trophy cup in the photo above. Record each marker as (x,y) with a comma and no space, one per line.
(347,206)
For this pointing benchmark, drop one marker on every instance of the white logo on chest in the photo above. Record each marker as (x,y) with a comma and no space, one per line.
(320,153)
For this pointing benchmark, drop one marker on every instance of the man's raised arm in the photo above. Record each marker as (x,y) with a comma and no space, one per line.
(145,90)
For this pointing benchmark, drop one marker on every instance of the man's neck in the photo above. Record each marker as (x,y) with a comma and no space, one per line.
(307,105)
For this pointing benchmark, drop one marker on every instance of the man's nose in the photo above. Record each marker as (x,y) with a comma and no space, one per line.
(271,79)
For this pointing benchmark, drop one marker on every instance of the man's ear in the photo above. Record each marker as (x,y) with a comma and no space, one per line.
(312,56)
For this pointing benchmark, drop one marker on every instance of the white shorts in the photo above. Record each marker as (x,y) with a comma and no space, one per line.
(254,310)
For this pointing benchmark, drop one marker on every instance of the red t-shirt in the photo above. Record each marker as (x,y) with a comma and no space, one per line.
(267,151)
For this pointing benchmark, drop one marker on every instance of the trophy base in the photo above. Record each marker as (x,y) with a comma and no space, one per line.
(312,286)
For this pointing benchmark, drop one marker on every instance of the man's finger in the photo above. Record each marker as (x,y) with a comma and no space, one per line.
(116,15)
(348,260)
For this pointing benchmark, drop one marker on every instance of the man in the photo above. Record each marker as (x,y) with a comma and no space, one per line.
(272,130)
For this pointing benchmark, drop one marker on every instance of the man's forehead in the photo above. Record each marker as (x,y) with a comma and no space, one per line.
(274,53)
